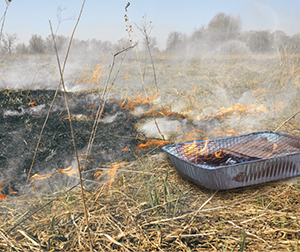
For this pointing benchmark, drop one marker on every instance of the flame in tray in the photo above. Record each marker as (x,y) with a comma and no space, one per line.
(194,149)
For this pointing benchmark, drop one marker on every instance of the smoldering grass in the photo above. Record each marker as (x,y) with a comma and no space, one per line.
(154,196)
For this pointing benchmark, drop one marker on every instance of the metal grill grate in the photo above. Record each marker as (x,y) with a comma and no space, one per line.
(210,152)
(229,162)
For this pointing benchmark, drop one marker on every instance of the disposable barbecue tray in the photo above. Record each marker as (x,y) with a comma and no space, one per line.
(236,161)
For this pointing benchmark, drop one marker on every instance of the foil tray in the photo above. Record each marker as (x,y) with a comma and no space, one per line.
(275,165)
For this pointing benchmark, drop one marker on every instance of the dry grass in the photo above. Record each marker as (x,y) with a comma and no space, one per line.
(149,206)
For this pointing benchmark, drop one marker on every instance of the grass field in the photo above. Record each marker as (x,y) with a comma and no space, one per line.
(145,205)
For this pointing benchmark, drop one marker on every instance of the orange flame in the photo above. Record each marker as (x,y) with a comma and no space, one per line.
(103,57)
(153,142)
(11,191)
(98,174)
(36,176)
(163,112)
(231,132)
(191,136)
(111,172)
(219,154)
(92,107)
(3,196)
(32,103)
(68,171)
(96,74)
(238,109)
(191,149)
(36,186)
(132,102)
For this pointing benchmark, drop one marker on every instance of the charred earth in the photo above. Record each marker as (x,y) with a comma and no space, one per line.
(22,115)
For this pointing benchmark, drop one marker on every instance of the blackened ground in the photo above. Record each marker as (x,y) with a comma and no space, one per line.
(21,120)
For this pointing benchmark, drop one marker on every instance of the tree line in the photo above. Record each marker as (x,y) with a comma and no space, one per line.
(223,32)
(38,45)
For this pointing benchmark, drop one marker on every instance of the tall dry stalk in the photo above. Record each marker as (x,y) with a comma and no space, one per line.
(3,17)
(61,81)
(60,20)
(132,35)
(144,30)
(104,96)
(47,117)
(73,138)
(132,38)
(106,91)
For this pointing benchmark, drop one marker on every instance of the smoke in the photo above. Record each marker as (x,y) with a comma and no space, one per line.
(207,89)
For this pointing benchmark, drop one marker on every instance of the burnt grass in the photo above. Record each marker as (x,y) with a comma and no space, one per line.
(22,115)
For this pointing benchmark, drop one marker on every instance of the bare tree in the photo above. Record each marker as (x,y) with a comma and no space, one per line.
(175,41)
(60,40)
(8,42)
(36,44)
(21,48)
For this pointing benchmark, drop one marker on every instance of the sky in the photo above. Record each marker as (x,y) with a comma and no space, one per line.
(104,20)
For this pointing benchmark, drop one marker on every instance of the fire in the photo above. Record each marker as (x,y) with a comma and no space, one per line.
(32,103)
(153,142)
(3,196)
(11,191)
(37,186)
(192,149)
(36,176)
(96,75)
(111,172)
(191,136)
(231,132)
(219,154)
(237,109)
(103,57)
(75,118)
(126,76)
(98,174)
(92,107)
(163,112)
(241,109)
(68,171)
(139,99)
